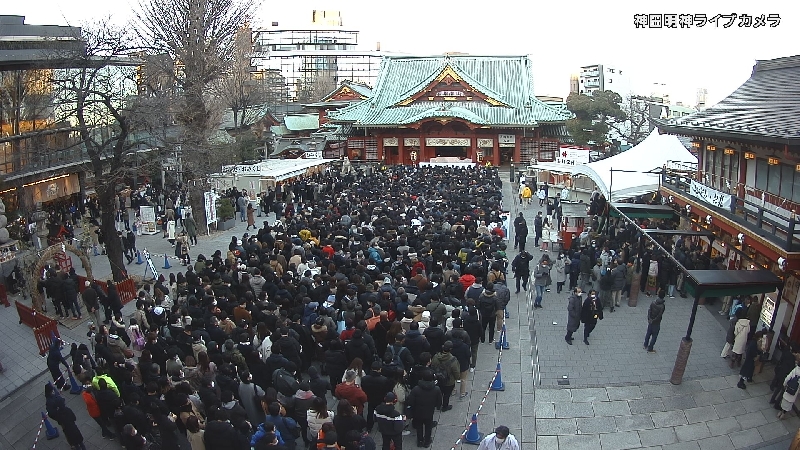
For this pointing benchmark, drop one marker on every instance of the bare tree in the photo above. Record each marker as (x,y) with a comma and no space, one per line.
(98,96)
(636,124)
(199,36)
(242,94)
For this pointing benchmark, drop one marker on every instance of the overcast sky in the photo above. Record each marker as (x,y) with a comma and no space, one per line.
(560,35)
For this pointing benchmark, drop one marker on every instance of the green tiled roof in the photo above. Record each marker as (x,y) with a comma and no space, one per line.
(507,79)
(301,122)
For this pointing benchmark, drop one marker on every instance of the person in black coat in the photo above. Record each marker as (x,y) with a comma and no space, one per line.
(54,359)
(422,402)
(58,410)
(375,385)
(787,362)
(462,353)
(751,352)
(358,348)
(415,342)
(113,300)
(435,336)
(591,312)
(220,433)
(335,362)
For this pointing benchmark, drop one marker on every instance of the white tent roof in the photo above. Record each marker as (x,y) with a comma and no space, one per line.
(626,175)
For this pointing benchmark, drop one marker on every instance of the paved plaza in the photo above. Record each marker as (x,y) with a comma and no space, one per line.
(618,396)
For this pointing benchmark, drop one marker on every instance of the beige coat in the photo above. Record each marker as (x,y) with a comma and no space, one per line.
(740,332)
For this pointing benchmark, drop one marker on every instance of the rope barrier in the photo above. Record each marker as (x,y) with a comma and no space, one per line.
(38,433)
(485,395)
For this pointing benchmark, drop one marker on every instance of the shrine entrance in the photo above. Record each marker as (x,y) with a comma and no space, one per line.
(451,152)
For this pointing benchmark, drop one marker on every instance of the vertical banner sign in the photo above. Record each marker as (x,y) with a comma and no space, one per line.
(506,218)
(210,203)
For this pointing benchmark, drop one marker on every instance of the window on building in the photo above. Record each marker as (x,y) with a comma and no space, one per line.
(734,175)
(774,180)
(796,187)
(787,180)
(762,174)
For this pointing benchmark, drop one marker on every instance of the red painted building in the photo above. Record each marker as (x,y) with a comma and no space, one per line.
(471,108)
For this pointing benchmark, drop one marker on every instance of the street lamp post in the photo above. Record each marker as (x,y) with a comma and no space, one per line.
(512,169)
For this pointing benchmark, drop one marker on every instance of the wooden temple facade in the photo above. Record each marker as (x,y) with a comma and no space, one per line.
(453,108)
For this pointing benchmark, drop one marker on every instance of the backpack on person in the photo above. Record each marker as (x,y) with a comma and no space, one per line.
(395,356)
(442,374)
(792,385)
(284,382)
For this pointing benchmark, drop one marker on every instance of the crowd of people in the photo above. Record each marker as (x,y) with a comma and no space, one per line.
(376,289)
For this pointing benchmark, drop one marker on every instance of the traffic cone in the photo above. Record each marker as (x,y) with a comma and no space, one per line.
(166,262)
(51,432)
(75,388)
(139,257)
(473,436)
(497,384)
(503,341)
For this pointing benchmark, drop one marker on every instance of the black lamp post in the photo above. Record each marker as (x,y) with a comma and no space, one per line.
(512,169)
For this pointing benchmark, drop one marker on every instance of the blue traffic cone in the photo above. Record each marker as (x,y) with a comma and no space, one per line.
(51,432)
(139,257)
(473,436)
(166,262)
(497,384)
(503,341)
(75,388)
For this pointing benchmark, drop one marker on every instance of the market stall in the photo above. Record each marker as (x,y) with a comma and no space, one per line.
(261,176)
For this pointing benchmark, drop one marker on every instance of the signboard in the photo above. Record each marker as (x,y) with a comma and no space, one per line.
(572,156)
(390,142)
(710,196)
(790,289)
(210,202)
(150,266)
(147,213)
(506,140)
(411,142)
(486,143)
(253,169)
(312,155)
(447,142)
(768,309)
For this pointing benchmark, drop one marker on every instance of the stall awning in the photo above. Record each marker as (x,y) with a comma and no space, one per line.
(719,283)
(642,211)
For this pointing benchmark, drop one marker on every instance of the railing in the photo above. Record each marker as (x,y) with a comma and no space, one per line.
(45,334)
(778,228)
(125,288)
(29,316)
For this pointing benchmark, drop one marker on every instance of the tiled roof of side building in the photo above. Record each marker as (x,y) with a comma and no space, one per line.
(301,122)
(766,106)
(505,79)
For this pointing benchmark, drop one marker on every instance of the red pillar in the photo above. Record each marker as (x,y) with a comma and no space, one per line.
(380,147)
(495,151)
(400,150)
(423,150)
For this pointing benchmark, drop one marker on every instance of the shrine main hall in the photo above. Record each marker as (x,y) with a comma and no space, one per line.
(453,108)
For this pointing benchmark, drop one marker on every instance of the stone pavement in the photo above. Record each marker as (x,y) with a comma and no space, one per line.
(619,400)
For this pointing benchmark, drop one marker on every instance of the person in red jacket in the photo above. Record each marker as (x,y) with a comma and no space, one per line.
(94,410)
(349,390)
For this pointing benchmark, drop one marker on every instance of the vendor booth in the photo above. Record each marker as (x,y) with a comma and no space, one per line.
(631,173)
(264,175)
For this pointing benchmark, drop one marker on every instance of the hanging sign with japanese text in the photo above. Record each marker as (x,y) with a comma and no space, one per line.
(710,196)
(572,156)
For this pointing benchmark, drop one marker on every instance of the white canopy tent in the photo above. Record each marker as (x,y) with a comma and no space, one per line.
(634,172)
